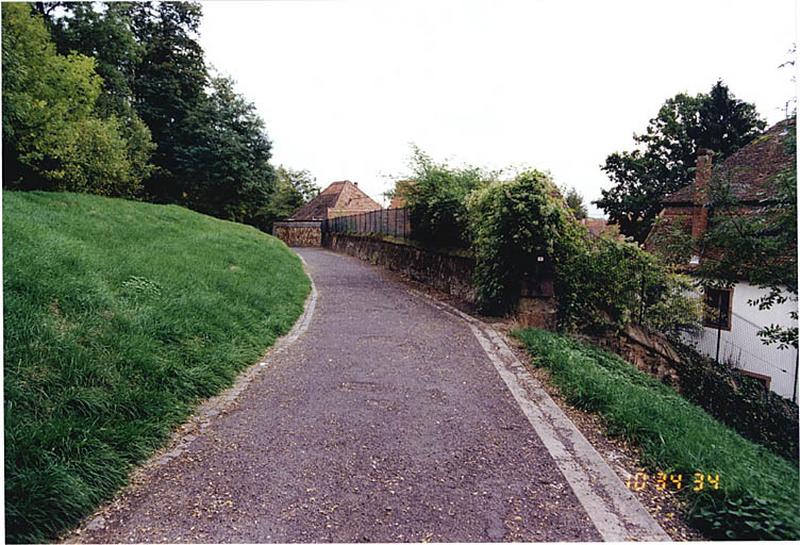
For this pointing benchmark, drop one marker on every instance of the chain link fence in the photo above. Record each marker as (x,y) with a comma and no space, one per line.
(741,348)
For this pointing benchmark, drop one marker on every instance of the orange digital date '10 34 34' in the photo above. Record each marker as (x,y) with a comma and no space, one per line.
(673,481)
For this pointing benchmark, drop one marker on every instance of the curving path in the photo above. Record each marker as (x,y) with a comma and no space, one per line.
(384,421)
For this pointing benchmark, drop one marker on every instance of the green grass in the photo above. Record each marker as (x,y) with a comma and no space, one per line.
(119,317)
(758,496)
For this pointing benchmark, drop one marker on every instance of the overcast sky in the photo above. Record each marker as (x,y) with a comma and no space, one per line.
(345,87)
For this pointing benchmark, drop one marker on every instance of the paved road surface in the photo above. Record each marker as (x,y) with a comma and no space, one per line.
(383,422)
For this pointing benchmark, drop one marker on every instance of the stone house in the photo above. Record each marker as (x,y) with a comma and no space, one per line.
(730,323)
(343,198)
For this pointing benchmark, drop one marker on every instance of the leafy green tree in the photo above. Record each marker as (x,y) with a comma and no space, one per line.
(225,169)
(52,138)
(293,188)
(665,158)
(437,195)
(300,182)
(575,203)
(169,91)
(104,31)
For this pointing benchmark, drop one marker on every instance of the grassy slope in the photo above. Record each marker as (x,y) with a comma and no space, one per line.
(119,316)
(758,497)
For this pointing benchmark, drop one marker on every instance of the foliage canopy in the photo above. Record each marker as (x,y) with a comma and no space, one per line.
(53,135)
(127,82)
(437,195)
(665,157)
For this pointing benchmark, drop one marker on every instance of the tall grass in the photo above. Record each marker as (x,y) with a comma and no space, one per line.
(758,496)
(119,317)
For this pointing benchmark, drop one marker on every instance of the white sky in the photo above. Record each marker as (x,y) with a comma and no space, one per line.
(344,87)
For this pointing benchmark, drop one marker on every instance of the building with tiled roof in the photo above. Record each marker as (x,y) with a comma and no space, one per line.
(338,199)
(745,177)
(731,323)
(304,228)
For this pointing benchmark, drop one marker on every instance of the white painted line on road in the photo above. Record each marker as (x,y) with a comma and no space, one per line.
(615,511)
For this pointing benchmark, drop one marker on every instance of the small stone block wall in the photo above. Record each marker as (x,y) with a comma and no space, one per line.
(448,273)
(445,272)
(298,233)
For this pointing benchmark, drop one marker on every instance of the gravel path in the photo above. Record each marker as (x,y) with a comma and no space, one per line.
(383,422)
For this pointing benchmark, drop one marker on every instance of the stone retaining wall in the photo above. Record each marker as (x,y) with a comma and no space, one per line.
(737,401)
(298,233)
(446,272)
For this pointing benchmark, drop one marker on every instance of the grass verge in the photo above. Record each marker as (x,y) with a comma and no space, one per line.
(758,493)
(119,317)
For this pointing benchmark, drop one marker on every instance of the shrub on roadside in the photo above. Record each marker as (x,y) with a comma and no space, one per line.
(523,229)
(518,228)
(437,195)
(615,282)
(758,493)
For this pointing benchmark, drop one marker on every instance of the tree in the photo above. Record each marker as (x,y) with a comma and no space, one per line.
(790,107)
(665,158)
(225,170)
(575,203)
(52,137)
(293,188)
(300,182)
(437,195)
(104,31)
(168,89)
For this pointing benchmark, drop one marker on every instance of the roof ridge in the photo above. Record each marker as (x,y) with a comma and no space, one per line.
(341,191)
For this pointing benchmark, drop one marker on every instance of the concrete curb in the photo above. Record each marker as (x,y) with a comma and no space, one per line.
(615,511)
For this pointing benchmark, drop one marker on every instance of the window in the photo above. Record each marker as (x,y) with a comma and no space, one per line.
(717,309)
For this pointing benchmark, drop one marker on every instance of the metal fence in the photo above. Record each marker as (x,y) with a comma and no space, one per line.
(394,222)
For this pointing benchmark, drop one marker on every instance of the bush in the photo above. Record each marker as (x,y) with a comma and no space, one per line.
(740,402)
(437,195)
(519,228)
(616,282)
(759,494)
(523,230)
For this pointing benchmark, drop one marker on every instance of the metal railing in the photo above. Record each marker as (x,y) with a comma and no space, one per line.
(394,222)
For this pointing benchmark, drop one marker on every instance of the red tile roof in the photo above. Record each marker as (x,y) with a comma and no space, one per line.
(747,173)
(338,199)
(600,226)
(749,169)
(401,188)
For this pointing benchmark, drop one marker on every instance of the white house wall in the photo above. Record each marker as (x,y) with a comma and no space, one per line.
(742,347)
